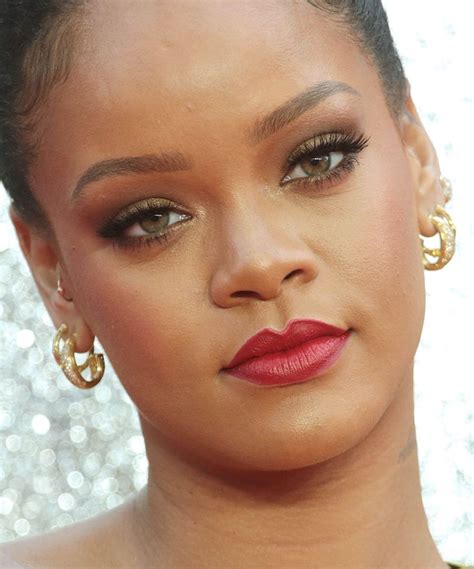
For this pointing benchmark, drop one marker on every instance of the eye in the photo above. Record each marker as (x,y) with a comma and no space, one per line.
(142,223)
(324,157)
(313,165)
(154,223)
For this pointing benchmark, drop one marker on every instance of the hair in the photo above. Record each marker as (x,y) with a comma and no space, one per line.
(37,39)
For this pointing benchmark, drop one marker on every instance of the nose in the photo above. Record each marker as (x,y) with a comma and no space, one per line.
(259,255)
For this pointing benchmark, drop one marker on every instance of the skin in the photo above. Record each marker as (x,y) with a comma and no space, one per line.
(319,474)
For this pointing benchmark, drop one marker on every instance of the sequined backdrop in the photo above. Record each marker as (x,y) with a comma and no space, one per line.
(66,454)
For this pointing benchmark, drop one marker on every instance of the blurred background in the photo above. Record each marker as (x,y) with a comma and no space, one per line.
(68,454)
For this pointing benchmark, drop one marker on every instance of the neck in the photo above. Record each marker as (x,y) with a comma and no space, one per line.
(360,509)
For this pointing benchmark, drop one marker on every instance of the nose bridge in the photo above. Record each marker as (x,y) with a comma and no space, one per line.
(254,233)
(259,248)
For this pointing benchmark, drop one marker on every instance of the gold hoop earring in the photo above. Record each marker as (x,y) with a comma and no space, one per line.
(447,234)
(67,362)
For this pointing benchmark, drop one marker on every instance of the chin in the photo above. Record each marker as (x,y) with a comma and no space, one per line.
(298,443)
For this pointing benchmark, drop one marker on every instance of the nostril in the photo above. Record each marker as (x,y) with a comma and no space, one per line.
(245,294)
(255,294)
(289,275)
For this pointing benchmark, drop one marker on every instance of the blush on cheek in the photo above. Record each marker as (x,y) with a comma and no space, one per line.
(141,320)
(396,227)
(395,287)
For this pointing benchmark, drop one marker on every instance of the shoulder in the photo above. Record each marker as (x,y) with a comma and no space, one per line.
(66,548)
(99,541)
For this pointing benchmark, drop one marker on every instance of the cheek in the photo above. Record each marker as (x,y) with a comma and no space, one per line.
(385,267)
(166,346)
(148,320)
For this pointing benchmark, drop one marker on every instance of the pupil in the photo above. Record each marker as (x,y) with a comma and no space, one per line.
(316,165)
(154,222)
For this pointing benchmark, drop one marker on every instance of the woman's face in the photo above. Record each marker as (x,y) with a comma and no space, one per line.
(247,247)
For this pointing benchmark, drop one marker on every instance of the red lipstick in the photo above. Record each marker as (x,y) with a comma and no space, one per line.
(302,351)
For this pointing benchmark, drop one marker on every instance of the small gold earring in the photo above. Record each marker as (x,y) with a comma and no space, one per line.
(60,289)
(67,362)
(447,234)
(447,188)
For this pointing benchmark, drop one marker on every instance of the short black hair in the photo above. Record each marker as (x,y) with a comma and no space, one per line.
(36,47)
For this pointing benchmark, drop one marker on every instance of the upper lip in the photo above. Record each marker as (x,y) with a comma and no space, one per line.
(269,341)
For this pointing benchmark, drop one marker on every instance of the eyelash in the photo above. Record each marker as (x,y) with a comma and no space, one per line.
(321,145)
(349,143)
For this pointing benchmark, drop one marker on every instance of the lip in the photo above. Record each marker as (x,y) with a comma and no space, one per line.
(302,351)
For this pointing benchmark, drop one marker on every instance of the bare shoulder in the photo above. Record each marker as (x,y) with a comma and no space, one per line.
(96,543)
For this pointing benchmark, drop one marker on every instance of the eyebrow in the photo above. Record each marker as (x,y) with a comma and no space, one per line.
(166,162)
(176,161)
(296,106)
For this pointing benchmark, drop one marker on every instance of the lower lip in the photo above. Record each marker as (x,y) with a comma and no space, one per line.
(302,363)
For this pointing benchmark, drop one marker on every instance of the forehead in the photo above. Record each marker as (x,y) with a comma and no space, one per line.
(151,74)
(190,47)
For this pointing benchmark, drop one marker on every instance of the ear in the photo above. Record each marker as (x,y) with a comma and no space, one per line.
(424,166)
(41,255)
